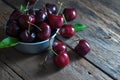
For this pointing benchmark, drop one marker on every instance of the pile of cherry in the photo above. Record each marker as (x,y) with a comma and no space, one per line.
(34,25)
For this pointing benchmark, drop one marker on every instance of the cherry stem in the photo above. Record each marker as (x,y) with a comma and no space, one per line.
(35,25)
(50,47)
(59,7)
(27,5)
(29,28)
(35,4)
(64,18)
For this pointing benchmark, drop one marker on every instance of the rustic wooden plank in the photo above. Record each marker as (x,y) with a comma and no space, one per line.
(29,67)
(103,35)
(22,64)
(112,4)
(7,74)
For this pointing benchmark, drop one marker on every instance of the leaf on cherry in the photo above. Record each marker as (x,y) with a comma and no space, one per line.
(22,9)
(8,42)
(79,27)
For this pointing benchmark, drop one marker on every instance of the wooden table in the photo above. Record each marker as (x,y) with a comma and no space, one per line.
(102,63)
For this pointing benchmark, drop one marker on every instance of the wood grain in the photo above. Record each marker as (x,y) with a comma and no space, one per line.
(102,34)
(29,67)
(7,74)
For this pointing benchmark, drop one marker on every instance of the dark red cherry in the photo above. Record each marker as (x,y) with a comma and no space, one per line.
(59,46)
(62,60)
(44,32)
(51,8)
(15,15)
(67,31)
(70,13)
(82,48)
(27,36)
(55,21)
(24,19)
(41,16)
(12,29)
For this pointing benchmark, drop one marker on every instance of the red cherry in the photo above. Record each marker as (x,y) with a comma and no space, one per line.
(51,8)
(13,29)
(25,36)
(62,60)
(55,21)
(24,19)
(70,13)
(67,31)
(41,16)
(82,48)
(44,32)
(59,46)
(15,15)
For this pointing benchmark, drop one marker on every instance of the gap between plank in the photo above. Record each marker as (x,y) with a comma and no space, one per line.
(10,5)
(92,63)
(12,69)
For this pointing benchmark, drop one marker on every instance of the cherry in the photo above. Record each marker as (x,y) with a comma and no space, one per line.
(41,15)
(12,29)
(70,13)
(24,19)
(67,31)
(27,36)
(51,8)
(59,46)
(55,21)
(31,2)
(15,14)
(44,32)
(82,48)
(62,60)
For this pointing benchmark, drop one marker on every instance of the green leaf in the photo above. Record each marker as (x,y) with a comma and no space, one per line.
(79,27)
(22,9)
(8,42)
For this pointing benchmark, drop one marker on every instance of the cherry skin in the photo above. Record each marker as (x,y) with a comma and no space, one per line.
(67,31)
(70,13)
(12,29)
(24,19)
(41,16)
(59,46)
(82,48)
(25,36)
(44,32)
(62,60)
(51,8)
(55,21)
(15,15)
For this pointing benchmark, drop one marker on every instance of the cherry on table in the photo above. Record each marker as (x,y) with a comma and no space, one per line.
(70,13)
(82,47)
(62,60)
(67,31)
(59,46)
